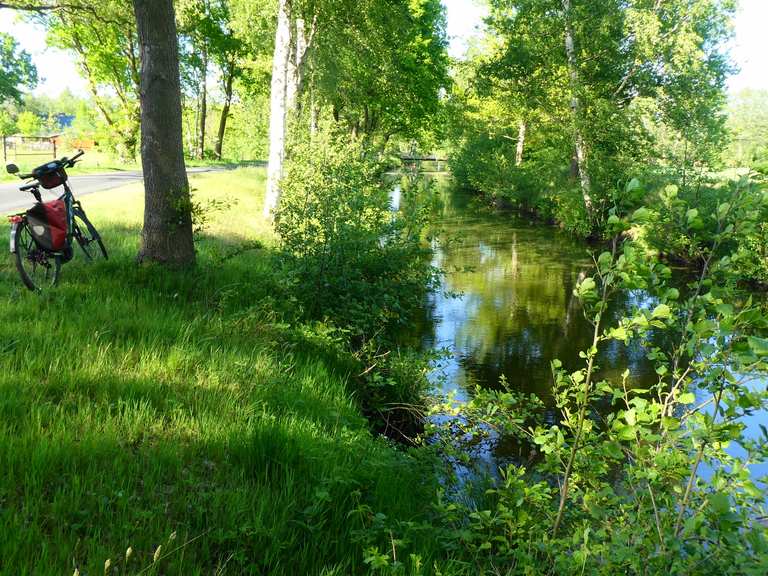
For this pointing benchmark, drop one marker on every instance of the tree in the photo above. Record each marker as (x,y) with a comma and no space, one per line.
(575,88)
(628,80)
(167,233)
(16,69)
(748,125)
(103,36)
(208,40)
(380,66)
(377,67)
(278,107)
(29,123)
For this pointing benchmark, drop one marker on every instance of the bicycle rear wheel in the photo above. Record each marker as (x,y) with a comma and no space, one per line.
(88,237)
(38,268)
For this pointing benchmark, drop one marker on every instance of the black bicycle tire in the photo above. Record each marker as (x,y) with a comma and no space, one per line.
(25,278)
(80,214)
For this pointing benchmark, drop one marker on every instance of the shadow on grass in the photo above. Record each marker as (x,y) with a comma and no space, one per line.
(137,402)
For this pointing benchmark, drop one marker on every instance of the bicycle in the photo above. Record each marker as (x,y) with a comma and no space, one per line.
(42,237)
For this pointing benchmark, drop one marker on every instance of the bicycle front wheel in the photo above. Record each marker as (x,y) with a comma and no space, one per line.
(88,237)
(38,268)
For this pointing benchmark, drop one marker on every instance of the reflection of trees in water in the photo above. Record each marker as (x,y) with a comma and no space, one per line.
(517,314)
(519,309)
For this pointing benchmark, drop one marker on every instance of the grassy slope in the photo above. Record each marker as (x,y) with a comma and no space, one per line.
(135,403)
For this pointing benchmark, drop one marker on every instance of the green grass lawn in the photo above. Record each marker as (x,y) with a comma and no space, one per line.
(142,408)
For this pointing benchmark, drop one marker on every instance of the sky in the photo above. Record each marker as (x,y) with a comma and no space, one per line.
(749,49)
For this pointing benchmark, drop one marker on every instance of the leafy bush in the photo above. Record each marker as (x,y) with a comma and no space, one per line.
(682,225)
(352,257)
(361,265)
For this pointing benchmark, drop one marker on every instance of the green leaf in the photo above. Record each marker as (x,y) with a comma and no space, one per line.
(687,398)
(641,215)
(691,215)
(670,191)
(619,333)
(724,309)
(719,503)
(672,294)
(670,423)
(627,433)
(758,345)
(661,311)
(605,260)
(632,185)
(613,449)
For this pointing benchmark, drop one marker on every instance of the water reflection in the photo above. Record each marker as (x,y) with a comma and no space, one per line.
(507,308)
(515,311)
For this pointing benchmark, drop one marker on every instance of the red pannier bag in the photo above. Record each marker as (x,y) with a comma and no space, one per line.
(48,224)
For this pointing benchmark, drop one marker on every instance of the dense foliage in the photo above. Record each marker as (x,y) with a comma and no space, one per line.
(748,126)
(560,131)
(238,416)
(16,69)
(358,263)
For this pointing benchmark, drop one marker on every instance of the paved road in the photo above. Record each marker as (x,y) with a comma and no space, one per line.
(11,198)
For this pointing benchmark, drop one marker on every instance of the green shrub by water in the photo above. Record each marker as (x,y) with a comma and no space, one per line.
(355,261)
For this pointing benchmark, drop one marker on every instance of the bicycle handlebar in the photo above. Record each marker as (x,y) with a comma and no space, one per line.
(75,157)
(62,162)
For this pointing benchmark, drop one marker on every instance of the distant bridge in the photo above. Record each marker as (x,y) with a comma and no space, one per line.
(415,162)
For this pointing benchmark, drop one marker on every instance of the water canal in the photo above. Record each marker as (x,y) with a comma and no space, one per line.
(506,308)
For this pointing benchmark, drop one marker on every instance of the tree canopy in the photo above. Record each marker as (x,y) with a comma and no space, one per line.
(16,69)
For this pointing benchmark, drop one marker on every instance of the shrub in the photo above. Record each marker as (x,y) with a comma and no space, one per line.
(362,266)
(353,258)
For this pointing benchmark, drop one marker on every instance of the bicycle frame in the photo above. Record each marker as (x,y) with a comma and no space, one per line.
(69,202)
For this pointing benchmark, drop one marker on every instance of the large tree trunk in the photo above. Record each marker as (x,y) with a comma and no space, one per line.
(225,110)
(573,75)
(203,106)
(277,107)
(167,233)
(520,143)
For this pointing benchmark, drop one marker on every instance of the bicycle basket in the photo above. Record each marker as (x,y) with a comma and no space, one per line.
(48,224)
(50,178)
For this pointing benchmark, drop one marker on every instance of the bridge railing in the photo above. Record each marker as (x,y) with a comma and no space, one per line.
(417,162)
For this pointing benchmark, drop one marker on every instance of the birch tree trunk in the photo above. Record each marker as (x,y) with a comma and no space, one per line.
(167,233)
(314,116)
(277,107)
(575,84)
(295,64)
(203,106)
(520,143)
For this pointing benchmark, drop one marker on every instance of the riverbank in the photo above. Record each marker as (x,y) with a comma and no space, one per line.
(182,417)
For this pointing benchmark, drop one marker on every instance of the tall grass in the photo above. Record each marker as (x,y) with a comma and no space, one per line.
(140,408)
